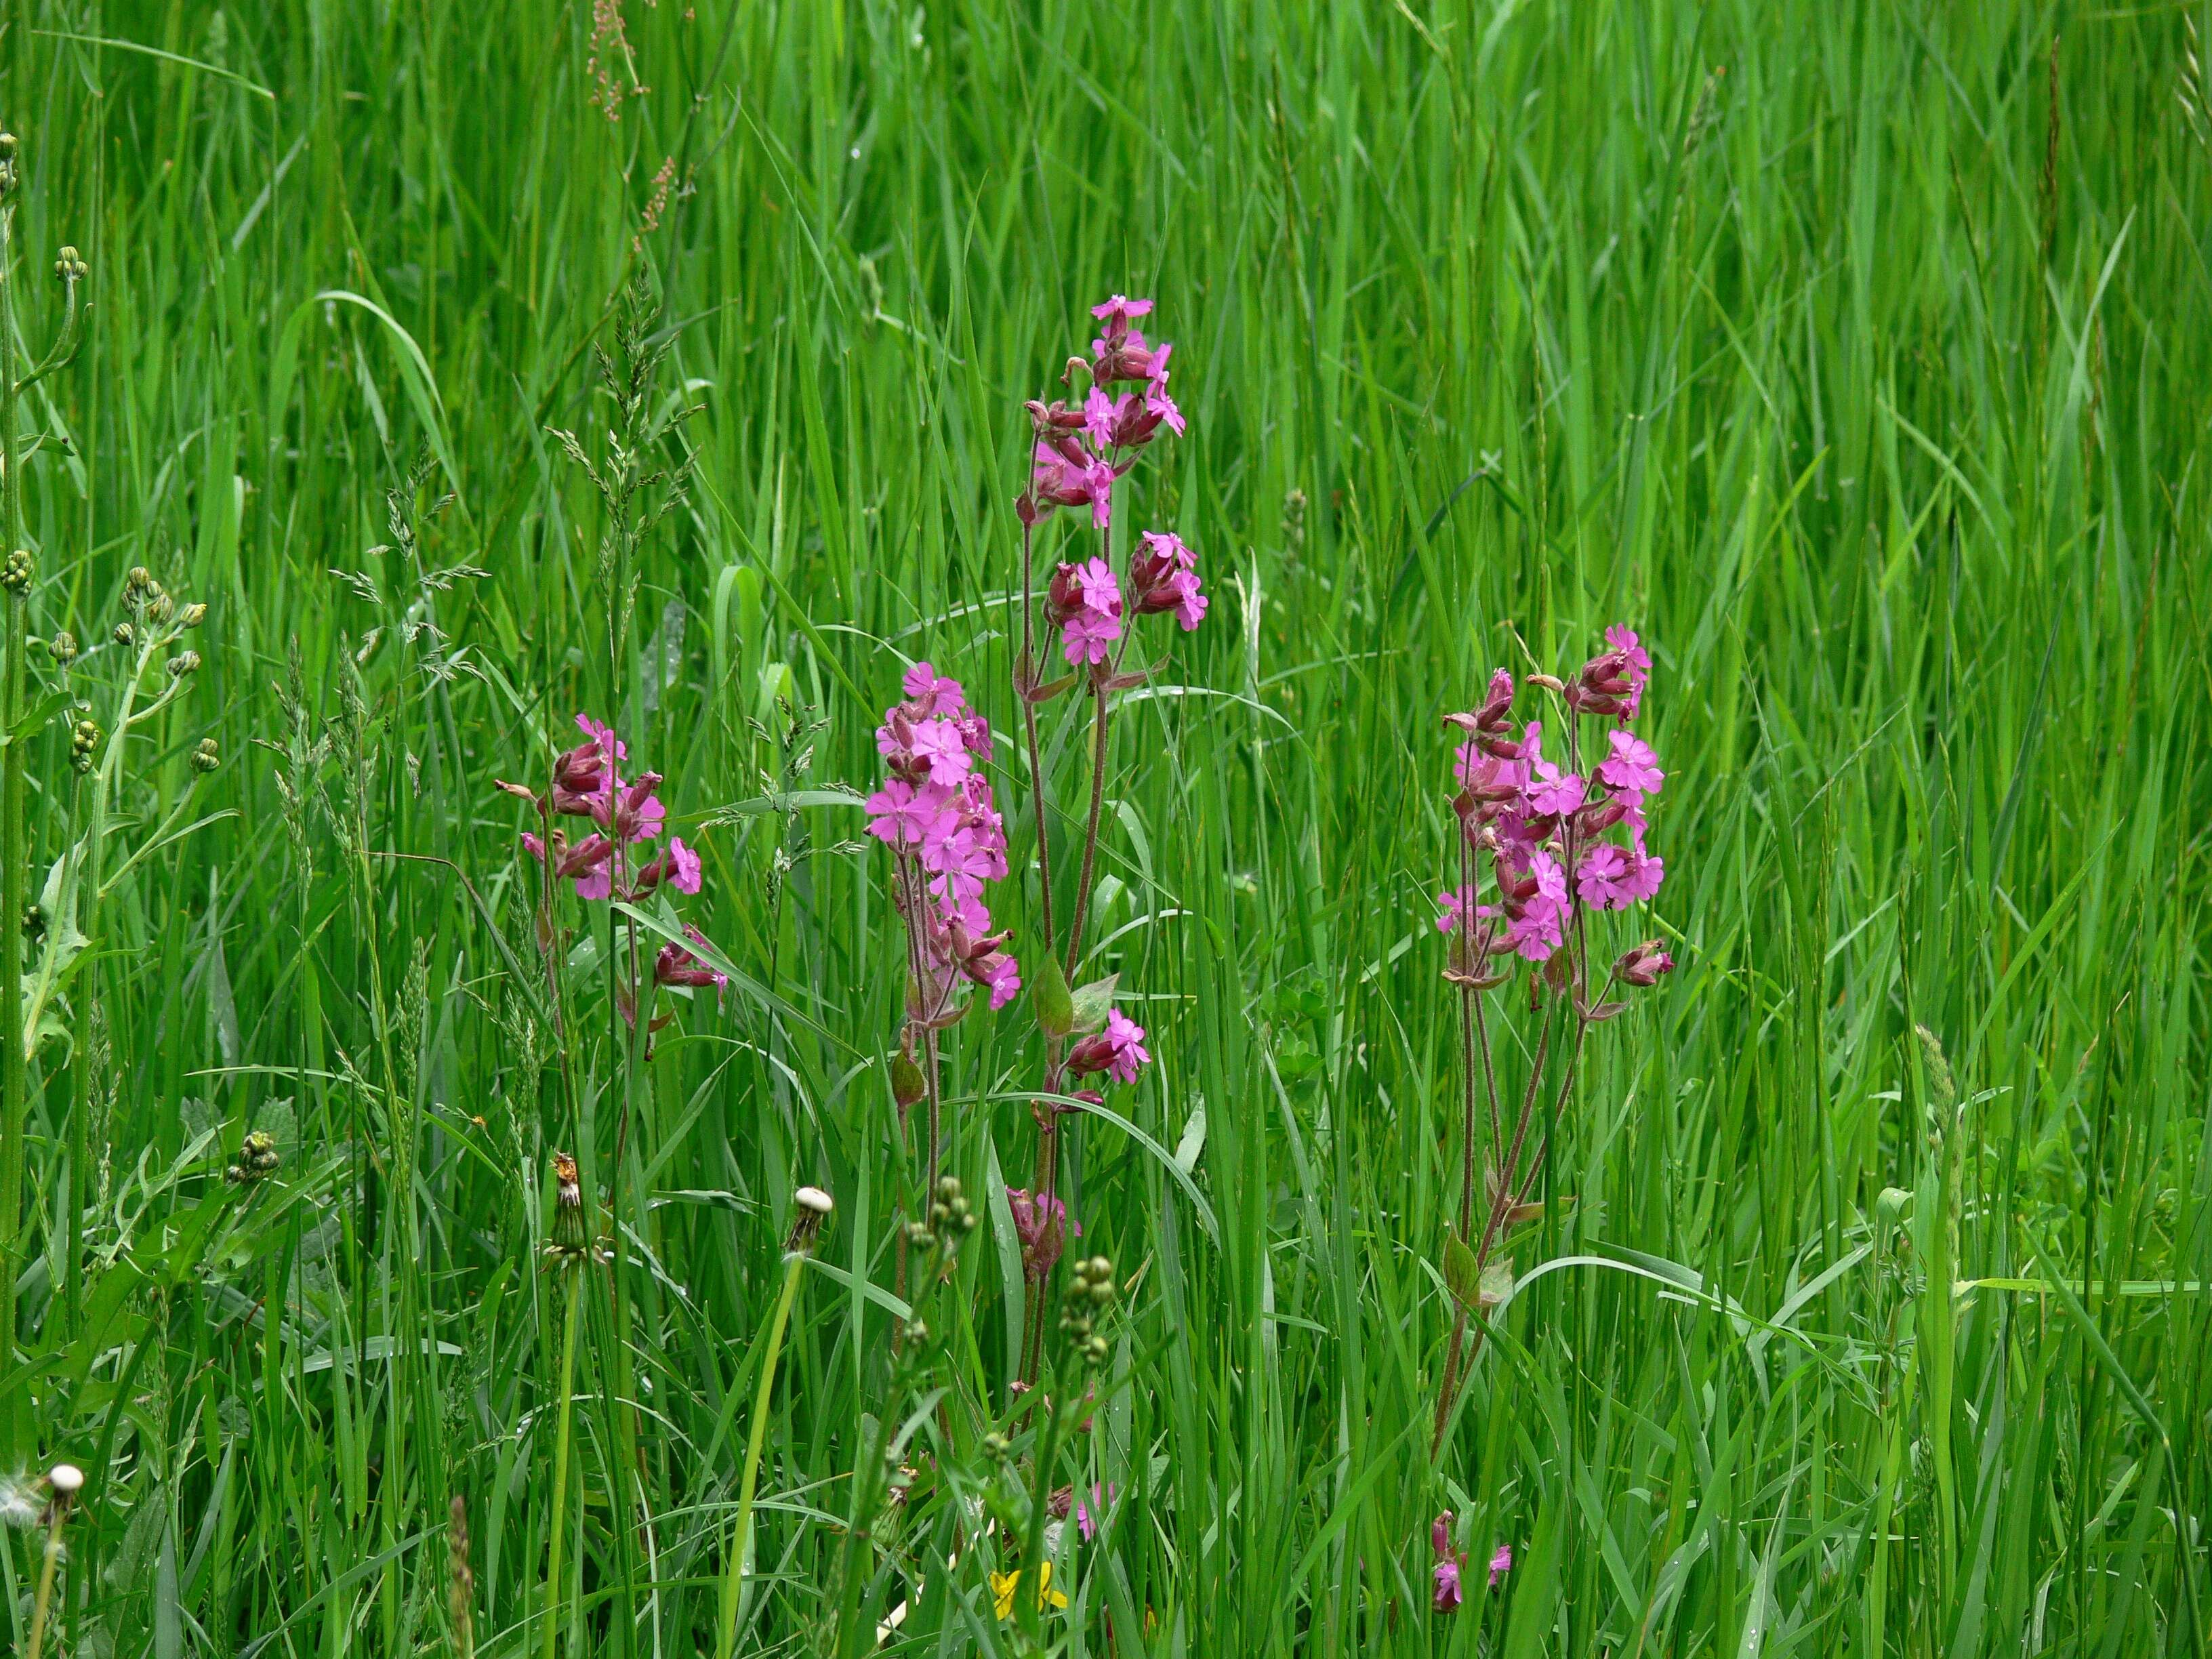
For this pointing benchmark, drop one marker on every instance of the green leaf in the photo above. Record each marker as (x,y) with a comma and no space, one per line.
(1091,1002)
(1055,1009)
(1462,1276)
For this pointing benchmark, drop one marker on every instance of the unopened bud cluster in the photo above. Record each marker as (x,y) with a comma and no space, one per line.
(951,1218)
(15,574)
(184,663)
(1090,1292)
(257,1159)
(70,266)
(84,744)
(62,647)
(206,757)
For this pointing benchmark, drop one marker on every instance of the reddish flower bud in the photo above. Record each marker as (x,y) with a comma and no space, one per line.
(1643,964)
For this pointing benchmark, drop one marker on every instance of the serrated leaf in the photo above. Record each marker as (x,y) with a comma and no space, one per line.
(1461,1277)
(1091,1001)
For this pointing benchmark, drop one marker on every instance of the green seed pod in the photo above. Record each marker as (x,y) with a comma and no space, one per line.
(906,1083)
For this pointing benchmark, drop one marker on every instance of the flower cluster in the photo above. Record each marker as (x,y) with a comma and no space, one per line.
(1444,1594)
(1080,452)
(615,859)
(1543,823)
(587,783)
(935,811)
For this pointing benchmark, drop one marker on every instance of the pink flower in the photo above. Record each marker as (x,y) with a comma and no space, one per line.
(1500,1564)
(678,866)
(929,693)
(1644,876)
(603,738)
(1445,1595)
(1163,576)
(1600,880)
(1083,601)
(1161,407)
(1537,931)
(895,815)
(1119,312)
(1634,767)
(1553,793)
(1458,905)
(941,749)
(1638,662)
(1118,1050)
(1643,965)
(1086,1521)
(1060,478)
(633,811)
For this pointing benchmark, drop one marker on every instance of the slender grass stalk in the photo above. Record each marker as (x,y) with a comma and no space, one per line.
(65,1481)
(14,856)
(571,1295)
(813,1206)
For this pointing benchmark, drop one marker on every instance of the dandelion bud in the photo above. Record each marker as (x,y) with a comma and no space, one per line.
(184,663)
(206,757)
(7,146)
(159,605)
(137,581)
(192,615)
(257,1159)
(15,574)
(569,1245)
(68,266)
(62,647)
(123,634)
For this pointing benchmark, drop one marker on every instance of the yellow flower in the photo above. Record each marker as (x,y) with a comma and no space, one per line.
(1002,1590)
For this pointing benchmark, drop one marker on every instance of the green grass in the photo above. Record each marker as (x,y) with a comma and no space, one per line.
(1889,433)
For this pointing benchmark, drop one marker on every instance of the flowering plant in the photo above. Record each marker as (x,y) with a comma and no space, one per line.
(1543,849)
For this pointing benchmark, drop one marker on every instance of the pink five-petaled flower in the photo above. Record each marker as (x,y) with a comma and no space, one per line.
(1638,662)
(1500,1564)
(941,749)
(1601,879)
(928,692)
(896,814)
(1645,873)
(1118,1050)
(1551,791)
(1085,602)
(1632,767)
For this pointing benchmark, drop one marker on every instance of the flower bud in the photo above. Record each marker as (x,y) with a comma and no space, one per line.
(62,647)
(1643,964)
(68,266)
(159,605)
(192,615)
(206,757)
(7,146)
(123,634)
(184,663)
(137,581)
(15,574)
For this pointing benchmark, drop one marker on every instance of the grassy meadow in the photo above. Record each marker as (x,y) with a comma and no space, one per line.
(1859,354)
